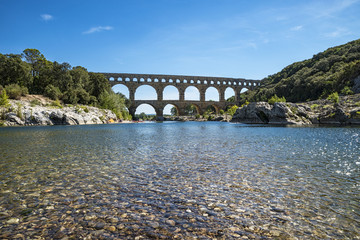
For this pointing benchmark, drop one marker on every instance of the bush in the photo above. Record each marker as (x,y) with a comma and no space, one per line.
(334,97)
(4,99)
(35,102)
(52,92)
(347,91)
(56,103)
(275,99)
(222,112)
(314,106)
(231,111)
(14,91)
(19,112)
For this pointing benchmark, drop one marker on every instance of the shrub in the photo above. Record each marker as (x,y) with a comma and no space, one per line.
(4,99)
(35,102)
(245,104)
(347,91)
(19,112)
(52,92)
(15,91)
(231,111)
(334,97)
(275,99)
(84,108)
(56,103)
(222,112)
(314,106)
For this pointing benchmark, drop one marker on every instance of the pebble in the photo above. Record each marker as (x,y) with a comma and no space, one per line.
(275,233)
(170,222)
(13,221)
(154,224)
(112,228)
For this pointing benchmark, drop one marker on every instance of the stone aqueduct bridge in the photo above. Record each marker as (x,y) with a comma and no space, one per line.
(159,82)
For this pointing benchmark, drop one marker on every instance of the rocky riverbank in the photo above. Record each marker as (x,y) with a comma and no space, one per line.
(38,110)
(345,112)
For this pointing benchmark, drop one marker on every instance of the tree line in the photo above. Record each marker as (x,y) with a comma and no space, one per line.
(32,73)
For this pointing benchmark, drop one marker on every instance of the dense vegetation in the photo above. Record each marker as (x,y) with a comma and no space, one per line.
(327,72)
(32,73)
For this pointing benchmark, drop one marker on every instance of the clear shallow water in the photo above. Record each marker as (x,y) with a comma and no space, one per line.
(180,180)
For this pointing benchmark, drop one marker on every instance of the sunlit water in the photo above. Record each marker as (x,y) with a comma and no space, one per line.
(180,180)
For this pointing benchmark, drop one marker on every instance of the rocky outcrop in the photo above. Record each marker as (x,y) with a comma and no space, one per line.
(279,113)
(346,112)
(23,113)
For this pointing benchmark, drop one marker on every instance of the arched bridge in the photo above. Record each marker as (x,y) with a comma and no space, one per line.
(160,82)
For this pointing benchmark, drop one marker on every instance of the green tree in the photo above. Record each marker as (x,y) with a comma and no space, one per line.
(14,71)
(52,92)
(113,102)
(80,78)
(99,84)
(173,111)
(34,58)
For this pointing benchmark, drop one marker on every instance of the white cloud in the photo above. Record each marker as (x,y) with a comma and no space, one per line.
(98,29)
(46,17)
(296,28)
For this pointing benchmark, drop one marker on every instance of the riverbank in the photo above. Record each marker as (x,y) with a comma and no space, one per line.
(345,112)
(33,110)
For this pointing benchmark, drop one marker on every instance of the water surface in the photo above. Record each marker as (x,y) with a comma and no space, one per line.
(180,180)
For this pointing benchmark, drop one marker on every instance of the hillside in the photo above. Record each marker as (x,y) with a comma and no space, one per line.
(333,70)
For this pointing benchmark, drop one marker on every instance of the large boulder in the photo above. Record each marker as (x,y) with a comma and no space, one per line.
(279,113)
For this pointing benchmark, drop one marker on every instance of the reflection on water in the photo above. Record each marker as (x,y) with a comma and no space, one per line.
(180,180)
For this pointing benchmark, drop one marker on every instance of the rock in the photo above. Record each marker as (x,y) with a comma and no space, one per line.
(356,87)
(13,119)
(170,222)
(57,117)
(279,113)
(336,116)
(13,221)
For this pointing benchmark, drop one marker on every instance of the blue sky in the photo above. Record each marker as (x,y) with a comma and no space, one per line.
(228,38)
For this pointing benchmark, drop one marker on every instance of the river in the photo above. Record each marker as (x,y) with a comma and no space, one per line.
(180,180)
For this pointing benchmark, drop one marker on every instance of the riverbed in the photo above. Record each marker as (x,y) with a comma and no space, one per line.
(179,180)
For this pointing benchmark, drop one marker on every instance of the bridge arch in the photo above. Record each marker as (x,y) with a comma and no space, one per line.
(145,107)
(170,92)
(229,92)
(192,93)
(121,88)
(192,109)
(213,108)
(145,92)
(168,107)
(212,94)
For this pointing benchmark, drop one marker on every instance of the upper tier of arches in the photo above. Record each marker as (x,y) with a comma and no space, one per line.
(174,79)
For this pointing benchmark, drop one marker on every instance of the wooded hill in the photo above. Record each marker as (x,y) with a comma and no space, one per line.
(333,70)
